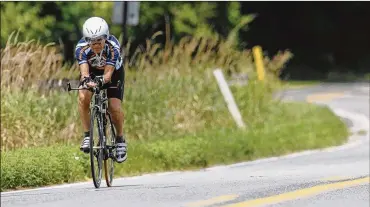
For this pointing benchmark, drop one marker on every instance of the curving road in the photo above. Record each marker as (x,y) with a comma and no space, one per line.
(332,177)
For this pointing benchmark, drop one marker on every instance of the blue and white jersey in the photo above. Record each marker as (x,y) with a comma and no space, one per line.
(110,54)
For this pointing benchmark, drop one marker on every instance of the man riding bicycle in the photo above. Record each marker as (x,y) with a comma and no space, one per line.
(98,53)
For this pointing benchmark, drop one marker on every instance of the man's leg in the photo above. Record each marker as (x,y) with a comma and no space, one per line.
(116,111)
(84,98)
(115,108)
(117,115)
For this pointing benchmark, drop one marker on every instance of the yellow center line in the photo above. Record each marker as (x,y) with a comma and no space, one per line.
(323,97)
(212,201)
(300,193)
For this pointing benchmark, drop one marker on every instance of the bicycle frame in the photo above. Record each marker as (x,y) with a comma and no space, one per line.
(101,105)
(99,101)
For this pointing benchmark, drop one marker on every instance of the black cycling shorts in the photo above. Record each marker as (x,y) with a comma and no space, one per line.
(117,75)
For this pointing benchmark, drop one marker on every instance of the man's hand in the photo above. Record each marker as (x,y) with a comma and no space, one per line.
(100,82)
(87,82)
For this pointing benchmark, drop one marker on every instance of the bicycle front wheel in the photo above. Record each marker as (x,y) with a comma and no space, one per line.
(110,135)
(96,148)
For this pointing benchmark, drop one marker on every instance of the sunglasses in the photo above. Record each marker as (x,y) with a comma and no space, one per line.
(95,40)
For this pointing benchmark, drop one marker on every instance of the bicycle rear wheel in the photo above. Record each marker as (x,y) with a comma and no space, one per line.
(110,138)
(96,152)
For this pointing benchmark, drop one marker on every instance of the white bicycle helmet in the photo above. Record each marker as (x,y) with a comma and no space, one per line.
(95,27)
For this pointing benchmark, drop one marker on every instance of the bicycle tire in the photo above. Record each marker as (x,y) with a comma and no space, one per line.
(109,151)
(96,176)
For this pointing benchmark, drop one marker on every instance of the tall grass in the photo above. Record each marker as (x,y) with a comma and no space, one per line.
(24,64)
(169,91)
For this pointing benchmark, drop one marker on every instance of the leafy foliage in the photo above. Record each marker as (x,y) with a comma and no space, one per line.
(197,19)
(25,18)
(193,19)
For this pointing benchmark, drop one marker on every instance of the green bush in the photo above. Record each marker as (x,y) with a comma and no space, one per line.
(41,166)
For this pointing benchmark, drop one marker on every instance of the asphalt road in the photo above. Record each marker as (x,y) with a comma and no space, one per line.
(333,177)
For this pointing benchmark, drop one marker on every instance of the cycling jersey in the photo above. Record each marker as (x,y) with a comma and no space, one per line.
(110,55)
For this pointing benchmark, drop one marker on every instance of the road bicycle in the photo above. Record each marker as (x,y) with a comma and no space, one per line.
(105,144)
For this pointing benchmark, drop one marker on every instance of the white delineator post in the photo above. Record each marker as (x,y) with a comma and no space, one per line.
(233,108)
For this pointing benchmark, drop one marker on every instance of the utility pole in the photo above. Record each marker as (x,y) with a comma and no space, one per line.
(125,13)
(124,23)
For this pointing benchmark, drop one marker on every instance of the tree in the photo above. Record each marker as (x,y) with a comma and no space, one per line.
(24,17)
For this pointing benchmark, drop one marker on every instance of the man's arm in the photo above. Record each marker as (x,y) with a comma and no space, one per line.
(81,58)
(111,63)
(108,71)
(84,69)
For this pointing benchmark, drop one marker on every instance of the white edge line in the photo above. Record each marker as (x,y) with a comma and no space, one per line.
(88,183)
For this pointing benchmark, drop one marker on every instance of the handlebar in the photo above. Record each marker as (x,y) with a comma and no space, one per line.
(92,89)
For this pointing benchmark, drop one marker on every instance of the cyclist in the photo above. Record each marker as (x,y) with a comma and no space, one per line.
(98,53)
